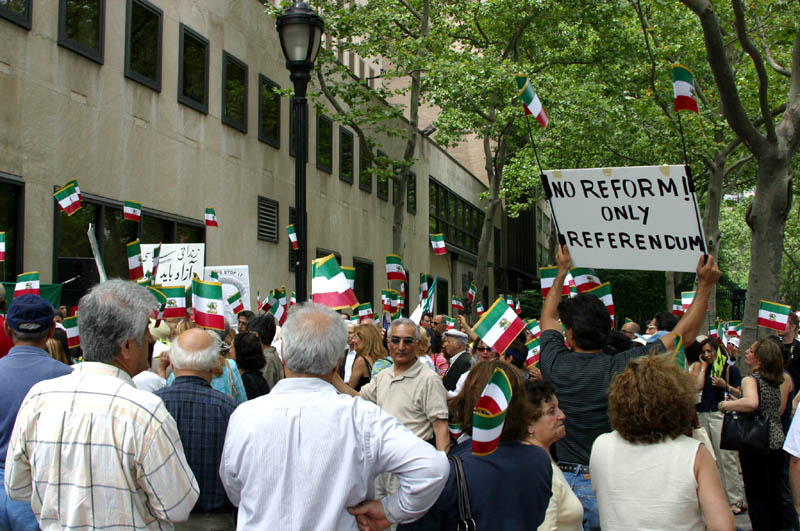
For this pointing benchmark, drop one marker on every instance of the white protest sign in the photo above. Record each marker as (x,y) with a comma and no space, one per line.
(233,278)
(177,262)
(643,217)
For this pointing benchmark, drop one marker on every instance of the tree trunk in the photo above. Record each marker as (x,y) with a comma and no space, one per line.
(711,219)
(669,289)
(767,219)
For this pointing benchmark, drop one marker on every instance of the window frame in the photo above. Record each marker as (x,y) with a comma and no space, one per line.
(411,192)
(201,107)
(455,229)
(93,55)
(239,126)
(362,163)
(385,181)
(154,84)
(369,263)
(19,234)
(329,121)
(264,80)
(346,133)
(23,21)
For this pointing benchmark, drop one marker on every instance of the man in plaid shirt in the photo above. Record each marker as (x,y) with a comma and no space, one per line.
(89,450)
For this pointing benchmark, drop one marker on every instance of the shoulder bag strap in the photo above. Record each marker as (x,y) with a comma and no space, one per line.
(464,510)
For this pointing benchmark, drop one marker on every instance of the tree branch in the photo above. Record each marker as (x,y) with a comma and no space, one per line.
(410,9)
(652,80)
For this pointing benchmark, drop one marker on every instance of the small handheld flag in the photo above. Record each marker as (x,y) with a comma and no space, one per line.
(135,268)
(437,242)
(235,301)
(207,304)
(329,286)
(533,326)
(683,89)
(68,199)
(489,414)
(2,246)
(473,290)
(530,100)
(73,332)
(365,311)
(533,352)
(211,217)
(457,303)
(773,315)
(292,237)
(479,309)
(132,211)
(395,269)
(499,326)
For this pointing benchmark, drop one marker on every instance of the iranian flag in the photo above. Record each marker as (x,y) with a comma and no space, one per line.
(207,304)
(293,299)
(365,311)
(456,303)
(437,242)
(350,274)
(292,237)
(386,300)
(683,89)
(235,301)
(479,308)
(395,269)
(548,276)
(687,297)
(329,286)
(27,284)
(277,306)
(402,299)
(131,210)
(534,348)
(211,217)
(677,307)
(423,287)
(603,292)
(473,290)
(498,326)
(585,279)
(533,326)
(772,315)
(2,246)
(68,199)
(449,322)
(175,306)
(156,260)
(490,413)
(73,333)
(455,430)
(510,301)
(281,293)
(517,307)
(734,328)
(530,100)
(74,182)
(135,268)
(162,302)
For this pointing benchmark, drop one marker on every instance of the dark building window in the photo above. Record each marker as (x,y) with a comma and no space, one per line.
(411,193)
(234,92)
(364,168)
(12,211)
(193,70)
(346,148)
(324,143)
(17,11)
(81,27)
(450,214)
(442,296)
(269,112)
(144,23)
(383,182)
(323,252)
(363,284)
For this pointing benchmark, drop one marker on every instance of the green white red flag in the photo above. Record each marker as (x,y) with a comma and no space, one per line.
(132,211)
(773,315)
(585,279)
(548,276)
(350,274)
(735,328)
(489,414)
(2,246)
(683,89)
(135,267)
(423,287)
(686,299)
(235,301)
(499,326)
(292,237)
(456,303)
(73,332)
(603,292)
(533,326)
(162,301)
(534,349)
(510,301)
(74,183)
(175,306)
(27,284)
(479,309)
(530,100)
(207,304)
(395,269)
(677,307)
(473,290)
(517,306)
(293,299)
(329,286)
(68,199)
(365,311)
(449,322)
(211,217)
(437,242)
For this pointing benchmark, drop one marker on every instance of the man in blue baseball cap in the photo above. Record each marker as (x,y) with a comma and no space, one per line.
(29,323)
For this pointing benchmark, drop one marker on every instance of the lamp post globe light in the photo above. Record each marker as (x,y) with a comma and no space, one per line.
(300,30)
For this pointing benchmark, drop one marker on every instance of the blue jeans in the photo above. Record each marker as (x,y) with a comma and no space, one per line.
(581,484)
(15,515)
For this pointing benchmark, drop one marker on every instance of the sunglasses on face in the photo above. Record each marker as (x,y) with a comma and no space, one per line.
(405,340)
(483,349)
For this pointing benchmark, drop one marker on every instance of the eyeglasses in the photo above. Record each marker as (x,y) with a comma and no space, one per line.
(405,340)
(483,349)
(436,322)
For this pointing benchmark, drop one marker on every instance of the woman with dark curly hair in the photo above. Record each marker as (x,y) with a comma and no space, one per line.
(761,471)
(647,473)
(250,359)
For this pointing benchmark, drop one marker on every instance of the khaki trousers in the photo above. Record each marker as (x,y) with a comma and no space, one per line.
(727,460)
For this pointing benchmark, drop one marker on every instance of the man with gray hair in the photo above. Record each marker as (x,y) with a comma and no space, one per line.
(300,456)
(89,450)
(202,415)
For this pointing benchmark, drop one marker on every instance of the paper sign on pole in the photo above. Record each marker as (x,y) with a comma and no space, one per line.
(177,262)
(643,217)
(233,278)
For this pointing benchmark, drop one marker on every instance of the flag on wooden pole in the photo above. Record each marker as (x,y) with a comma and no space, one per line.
(132,211)
(683,89)
(135,268)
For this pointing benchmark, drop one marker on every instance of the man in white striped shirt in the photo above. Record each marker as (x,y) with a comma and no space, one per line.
(89,450)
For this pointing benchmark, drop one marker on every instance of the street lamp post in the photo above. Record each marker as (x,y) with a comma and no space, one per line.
(300,30)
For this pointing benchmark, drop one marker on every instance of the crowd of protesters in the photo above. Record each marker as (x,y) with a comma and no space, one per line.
(325,423)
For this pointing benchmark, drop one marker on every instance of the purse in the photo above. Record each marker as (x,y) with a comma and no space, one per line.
(745,431)
(466,521)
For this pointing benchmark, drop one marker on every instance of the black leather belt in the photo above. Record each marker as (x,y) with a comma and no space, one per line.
(571,468)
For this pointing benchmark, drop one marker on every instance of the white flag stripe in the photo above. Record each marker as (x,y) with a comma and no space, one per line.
(337,284)
(495,393)
(201,304)
(682,88)
(487,435)
(775,317)
(134,261)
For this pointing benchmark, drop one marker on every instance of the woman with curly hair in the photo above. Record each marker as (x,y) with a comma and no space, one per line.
(762,471)
(647,473)
(369,349)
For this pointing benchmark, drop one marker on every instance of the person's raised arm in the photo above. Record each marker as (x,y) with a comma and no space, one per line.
(549,318)
(462,321)
(688,327)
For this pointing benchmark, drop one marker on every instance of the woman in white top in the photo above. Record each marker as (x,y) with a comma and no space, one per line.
(564,512)
(648,474)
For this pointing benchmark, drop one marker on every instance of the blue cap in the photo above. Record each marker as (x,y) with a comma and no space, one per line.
(30,314)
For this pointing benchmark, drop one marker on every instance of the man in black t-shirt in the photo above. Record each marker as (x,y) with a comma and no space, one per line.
(581,372)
